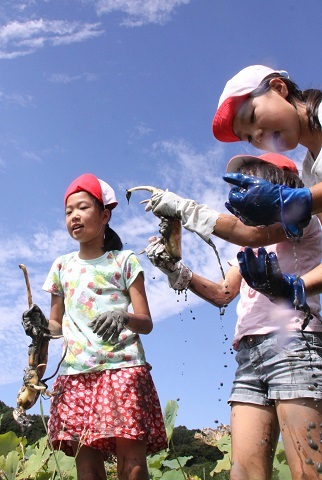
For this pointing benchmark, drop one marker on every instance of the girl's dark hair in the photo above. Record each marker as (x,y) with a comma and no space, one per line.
(273,174)
(311,97)
(111,239)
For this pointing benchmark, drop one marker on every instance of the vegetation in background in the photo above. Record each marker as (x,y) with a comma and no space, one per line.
(192,454)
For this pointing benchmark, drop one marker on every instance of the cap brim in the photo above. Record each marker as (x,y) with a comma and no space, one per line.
(222,125)
(237,162)
(275,159)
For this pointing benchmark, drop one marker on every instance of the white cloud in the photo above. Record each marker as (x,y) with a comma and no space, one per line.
(65,78)
(23,38)
(16,99)
(140,12)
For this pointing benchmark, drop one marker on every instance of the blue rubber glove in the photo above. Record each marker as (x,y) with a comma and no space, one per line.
(256,201)
(263,273)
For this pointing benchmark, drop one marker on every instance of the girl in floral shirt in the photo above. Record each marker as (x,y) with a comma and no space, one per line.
(105,400)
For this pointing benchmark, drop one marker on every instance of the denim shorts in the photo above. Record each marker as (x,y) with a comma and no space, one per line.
(278,367)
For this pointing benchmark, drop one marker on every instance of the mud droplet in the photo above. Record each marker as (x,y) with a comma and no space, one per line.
(309,461)
(318,467)
(313,445)
(312,425)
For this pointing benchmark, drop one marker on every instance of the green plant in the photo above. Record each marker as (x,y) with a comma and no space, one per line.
(21,462)
(281,469)
(159,466)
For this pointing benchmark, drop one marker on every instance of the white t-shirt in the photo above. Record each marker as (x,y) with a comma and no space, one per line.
(89,288)
(312,169)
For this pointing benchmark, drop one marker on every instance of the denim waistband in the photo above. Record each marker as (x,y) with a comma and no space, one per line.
(252,340)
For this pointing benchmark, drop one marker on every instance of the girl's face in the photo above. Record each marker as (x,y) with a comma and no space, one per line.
(269,122)
(85,222)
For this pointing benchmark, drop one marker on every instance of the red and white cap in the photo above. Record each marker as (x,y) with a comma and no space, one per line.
(276,159)
(96,187)
(236,91)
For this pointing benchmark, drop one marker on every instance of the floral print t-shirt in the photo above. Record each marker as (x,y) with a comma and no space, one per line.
(89,288)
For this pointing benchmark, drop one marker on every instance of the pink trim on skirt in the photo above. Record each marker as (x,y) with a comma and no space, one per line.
(95,408)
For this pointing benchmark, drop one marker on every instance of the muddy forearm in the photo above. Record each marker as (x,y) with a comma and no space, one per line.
(231,229)
(218,294)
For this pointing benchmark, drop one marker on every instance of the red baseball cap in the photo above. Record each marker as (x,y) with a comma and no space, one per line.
(236,91)
(96,187)
(276,159)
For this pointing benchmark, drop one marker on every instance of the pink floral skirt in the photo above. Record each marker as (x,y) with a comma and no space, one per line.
(94,409)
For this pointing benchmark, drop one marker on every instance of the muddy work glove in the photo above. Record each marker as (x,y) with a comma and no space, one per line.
(109,325)
(258,202)
(35,323)
(179,276)
(263,273)
(194,217)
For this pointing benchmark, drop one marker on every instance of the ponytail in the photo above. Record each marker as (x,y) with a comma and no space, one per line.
(313,98)
(111,240)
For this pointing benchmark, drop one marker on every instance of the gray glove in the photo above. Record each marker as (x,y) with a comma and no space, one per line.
(179,276)
(196,218)
(109,325)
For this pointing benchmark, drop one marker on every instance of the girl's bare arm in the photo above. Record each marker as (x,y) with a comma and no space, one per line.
(220,293)
(230,228)
(140,321)
(313,281)
(316,191)
(56,314)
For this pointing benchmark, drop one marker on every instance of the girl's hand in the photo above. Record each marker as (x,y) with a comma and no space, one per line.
(200,219)
(35,323)
(263,273)
(109,325)
(179,275)
(256,201)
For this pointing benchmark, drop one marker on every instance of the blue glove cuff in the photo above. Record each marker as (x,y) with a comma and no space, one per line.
(296,208)
(293,289)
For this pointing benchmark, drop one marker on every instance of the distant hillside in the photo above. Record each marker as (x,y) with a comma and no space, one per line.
(8,424)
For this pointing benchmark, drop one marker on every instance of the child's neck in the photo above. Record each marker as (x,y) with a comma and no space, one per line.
(312,140)
(314,144)
(89,251)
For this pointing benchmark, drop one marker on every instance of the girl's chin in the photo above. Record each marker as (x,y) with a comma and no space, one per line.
(277,145)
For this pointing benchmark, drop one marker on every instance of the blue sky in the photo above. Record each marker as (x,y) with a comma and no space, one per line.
(127,90)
